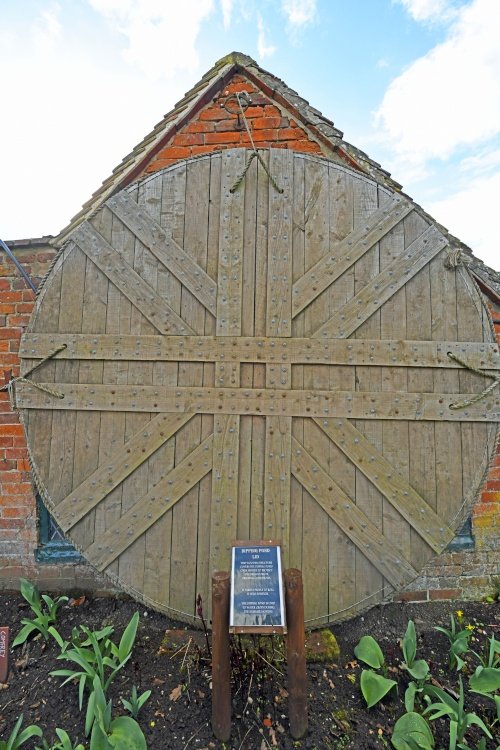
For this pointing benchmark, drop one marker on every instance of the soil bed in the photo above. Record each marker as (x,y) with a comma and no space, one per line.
(178,714)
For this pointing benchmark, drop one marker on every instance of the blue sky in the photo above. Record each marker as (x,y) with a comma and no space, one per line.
(414,83)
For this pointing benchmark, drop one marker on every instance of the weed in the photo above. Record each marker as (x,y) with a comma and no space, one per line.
(43,607)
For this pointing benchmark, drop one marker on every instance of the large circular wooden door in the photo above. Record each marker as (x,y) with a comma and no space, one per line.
(246,358)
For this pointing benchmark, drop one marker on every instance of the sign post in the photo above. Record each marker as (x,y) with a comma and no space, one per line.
(253,600)
(4,654)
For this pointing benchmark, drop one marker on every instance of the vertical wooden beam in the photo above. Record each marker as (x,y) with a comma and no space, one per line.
(296,653)
(279,376)
(221,666)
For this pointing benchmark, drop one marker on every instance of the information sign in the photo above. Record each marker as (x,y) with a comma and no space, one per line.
(4,654)
(257,603)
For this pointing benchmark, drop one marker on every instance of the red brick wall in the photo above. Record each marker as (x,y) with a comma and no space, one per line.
(212,129)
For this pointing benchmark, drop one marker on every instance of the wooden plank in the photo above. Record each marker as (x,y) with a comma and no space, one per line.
(277,474)
(88,426)
(369,500)
(449,460)
(382,474)
(390,352)
(355,524)
(383,286)
(185,514)
(128,281)
(151,507)
(422,441)
(261,402)
(315,527)
(62,440)
(341,550)
(297,492)
(344,253)
(166,249)
(120,465)
(225,475)
(395,438)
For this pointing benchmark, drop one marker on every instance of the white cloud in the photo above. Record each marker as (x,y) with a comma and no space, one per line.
(472,215)
(227,10)
(161,41)
(428,10)
(264,48)
(299,12)
(450,97)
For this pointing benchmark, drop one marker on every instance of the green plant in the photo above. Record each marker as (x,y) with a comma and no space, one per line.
(373,686)
(136,702)
(97,658)
(62,743)
(122,733)
(43,607)
(486,681)
(459,643)
(460,720)
(492,658)
(417,668)
(18,737)
(412,732)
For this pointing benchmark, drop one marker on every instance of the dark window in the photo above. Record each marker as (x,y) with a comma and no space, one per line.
(464,538)
(52,547)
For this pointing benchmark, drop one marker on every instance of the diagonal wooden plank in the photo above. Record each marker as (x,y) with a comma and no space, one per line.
(346,252)
(259,402)
(386,479)
(117,468)
(166,249)
(151,507)
(381,288)
(353,522)
(128,281)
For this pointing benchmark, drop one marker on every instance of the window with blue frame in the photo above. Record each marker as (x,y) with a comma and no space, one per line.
(464,538)
(52,547)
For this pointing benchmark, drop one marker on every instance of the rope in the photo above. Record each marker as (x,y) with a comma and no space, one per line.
(11,385)
(253,155)
(455,257)
(478,396)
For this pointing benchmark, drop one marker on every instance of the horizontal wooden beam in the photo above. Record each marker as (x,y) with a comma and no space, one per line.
(163,246)
(129,282)
(390,353)
(383,286)
(151,507)
(117,468)
(386,479)
(354,523)
(261,401)
(345,253)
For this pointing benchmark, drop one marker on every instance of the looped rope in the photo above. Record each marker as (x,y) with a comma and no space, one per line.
(456,257)
(253,155)
(478,396)
(11,385)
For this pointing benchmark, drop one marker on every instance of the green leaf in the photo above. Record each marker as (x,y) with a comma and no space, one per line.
(412,726)
(128,638)
(90,715)
(23,634)
(374,687)
(370,652)
(485,680)
(26,734)
(126,734)
(474,719)
(409,644)
(419,670)
(410,693)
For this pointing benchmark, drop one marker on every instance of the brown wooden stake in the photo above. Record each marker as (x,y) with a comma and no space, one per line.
(221,667)
(4,654)
(296,653)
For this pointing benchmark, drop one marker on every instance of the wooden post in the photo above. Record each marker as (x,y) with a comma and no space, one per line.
(296,653)
(221,667)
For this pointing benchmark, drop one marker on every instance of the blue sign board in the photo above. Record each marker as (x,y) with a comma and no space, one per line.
(257,588)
